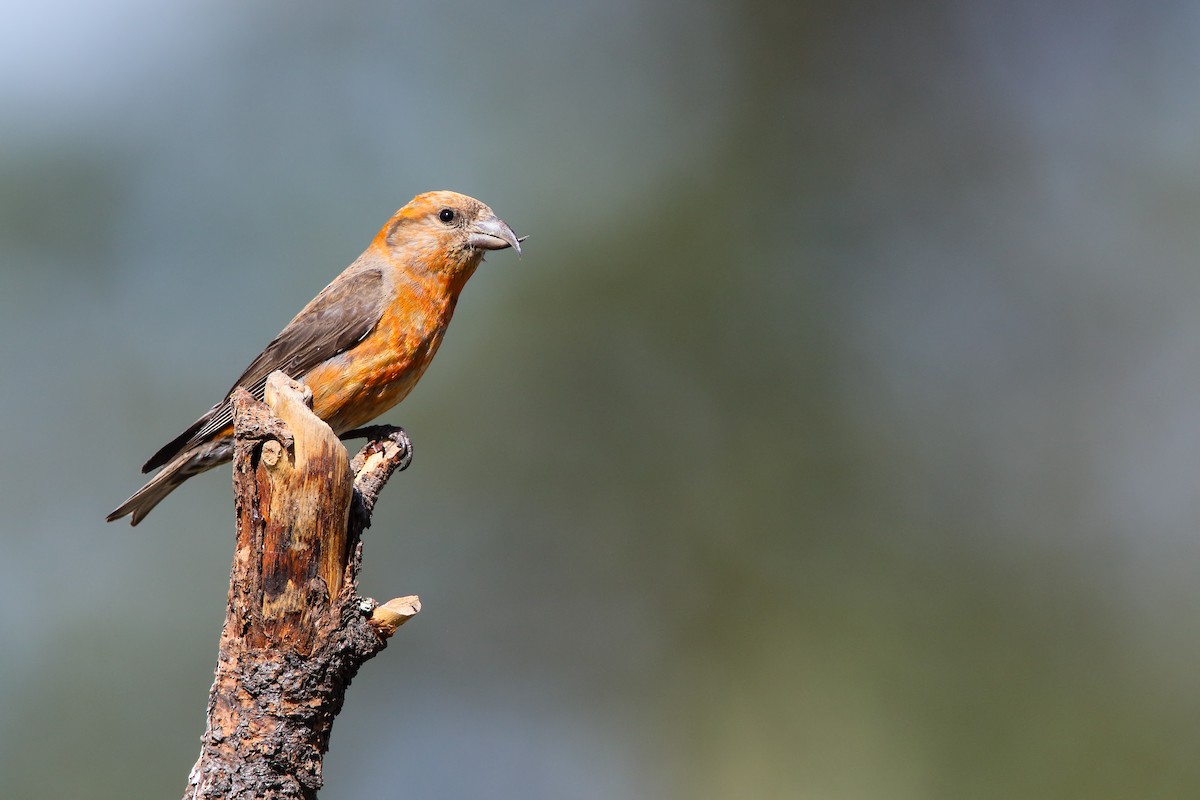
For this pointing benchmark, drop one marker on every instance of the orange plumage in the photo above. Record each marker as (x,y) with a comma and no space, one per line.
(363,342)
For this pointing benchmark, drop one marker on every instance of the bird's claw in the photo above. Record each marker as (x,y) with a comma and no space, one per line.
(377,436)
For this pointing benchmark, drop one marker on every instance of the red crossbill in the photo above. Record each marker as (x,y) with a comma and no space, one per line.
(363,342)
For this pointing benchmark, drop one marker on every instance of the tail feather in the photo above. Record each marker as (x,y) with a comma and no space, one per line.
(185,465)
(179,444)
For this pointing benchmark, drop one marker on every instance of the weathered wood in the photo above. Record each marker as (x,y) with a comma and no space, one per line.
(296,630)
(306,493)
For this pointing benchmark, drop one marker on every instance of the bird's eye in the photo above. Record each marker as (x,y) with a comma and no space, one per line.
(446,215)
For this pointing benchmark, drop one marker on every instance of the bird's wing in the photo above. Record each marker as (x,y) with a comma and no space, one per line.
(336,320)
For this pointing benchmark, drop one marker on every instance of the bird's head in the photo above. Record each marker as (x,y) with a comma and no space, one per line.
(446,231)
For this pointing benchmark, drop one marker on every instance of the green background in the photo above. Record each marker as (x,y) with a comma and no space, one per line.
(836,436)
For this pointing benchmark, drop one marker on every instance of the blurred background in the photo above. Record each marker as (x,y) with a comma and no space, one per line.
(836,436)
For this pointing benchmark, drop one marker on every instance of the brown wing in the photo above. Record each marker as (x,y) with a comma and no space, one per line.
(336,320)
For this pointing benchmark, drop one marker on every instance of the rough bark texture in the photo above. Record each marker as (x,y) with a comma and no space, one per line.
(296,630)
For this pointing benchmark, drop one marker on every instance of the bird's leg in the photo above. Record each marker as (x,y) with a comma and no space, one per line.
(388,450)
(379,436)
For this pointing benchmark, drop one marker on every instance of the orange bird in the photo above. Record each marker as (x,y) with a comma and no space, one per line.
(362,343)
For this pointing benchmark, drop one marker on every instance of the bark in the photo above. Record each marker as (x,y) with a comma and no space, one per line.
(296,630)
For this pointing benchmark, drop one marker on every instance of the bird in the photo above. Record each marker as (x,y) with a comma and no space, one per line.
(362,343)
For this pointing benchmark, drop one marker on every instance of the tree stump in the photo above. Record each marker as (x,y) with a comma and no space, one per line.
(296,630)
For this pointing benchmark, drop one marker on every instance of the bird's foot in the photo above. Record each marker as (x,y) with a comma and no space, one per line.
(379,436)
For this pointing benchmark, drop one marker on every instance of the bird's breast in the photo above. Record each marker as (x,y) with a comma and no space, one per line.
(355,387)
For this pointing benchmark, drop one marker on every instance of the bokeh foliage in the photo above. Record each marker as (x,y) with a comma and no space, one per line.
(834,438)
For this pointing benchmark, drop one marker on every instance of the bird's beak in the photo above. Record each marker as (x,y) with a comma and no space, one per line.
(493,233)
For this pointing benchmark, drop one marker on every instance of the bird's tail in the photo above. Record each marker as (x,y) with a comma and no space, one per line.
(174,472)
